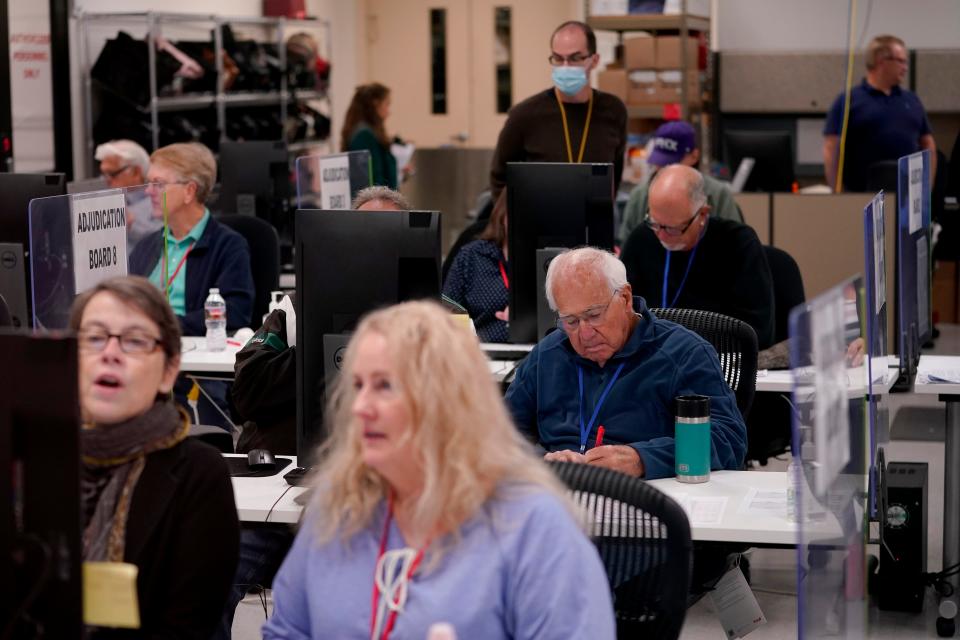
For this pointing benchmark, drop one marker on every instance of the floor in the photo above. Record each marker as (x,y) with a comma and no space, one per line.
(917,427)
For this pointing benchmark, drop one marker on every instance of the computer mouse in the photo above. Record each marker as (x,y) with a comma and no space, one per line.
(261,460)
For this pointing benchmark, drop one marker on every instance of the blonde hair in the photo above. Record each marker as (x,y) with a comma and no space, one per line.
(879,48)
(469,448)
(191,161)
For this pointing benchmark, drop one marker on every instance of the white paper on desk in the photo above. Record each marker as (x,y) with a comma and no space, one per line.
(765,502)
(704,510)
(941,376)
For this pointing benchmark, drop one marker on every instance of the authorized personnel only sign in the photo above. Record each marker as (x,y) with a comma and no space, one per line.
(99,237)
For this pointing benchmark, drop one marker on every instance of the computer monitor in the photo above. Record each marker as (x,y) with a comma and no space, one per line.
(40,520)
(772,152)
(16,192)
(255,180)
(347,264)
(914,310)
(551,205)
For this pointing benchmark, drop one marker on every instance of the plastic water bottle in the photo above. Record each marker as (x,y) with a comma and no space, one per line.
(215,314)
(794,488)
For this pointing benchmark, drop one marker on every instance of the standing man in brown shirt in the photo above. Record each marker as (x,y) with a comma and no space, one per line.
(569,122)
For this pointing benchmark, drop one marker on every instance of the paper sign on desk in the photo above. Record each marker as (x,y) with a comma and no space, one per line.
(110,595)
(915,191)
(335,182)
(704,511)
(770,503)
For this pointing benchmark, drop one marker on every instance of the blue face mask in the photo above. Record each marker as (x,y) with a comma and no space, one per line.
(570,80)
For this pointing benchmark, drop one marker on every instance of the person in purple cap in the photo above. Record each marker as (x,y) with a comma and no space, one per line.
(676,143)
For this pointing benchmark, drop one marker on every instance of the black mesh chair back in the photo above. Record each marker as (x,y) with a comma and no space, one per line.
(735,342)
(643,538)
(264,258)
(787,288)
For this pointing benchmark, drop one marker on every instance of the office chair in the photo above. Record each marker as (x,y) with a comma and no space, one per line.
(264,258)
(735,343)
(643,538)
(768,425)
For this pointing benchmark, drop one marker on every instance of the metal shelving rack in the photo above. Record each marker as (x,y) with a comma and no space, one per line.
(681,24)
(221,99)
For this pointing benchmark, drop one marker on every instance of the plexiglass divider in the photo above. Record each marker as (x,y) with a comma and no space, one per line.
(331,181)
(828,472)
(78,240)
(913,258)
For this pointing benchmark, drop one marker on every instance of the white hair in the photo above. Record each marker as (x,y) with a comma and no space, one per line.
(597,260)
(128,151)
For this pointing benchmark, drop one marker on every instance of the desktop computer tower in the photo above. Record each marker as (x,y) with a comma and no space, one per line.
(903,538)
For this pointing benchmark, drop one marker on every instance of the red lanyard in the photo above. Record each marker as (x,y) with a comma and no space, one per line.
(186,253)
(376,592)
(503,274)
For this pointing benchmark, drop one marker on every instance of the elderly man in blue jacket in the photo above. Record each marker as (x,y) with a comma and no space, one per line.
(613,363)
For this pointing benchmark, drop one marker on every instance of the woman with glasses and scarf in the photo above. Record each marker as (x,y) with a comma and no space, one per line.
(151,497)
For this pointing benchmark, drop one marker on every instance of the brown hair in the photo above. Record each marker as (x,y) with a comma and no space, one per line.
(879,48)
(496,229)
(191,161)
(363,110)
(141,294)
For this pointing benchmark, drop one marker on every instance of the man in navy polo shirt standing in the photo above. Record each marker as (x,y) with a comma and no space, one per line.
(885,122)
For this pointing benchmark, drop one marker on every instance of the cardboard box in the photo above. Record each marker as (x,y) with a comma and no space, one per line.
(669,87)
(668,52)
(643,88)
(640,53)
(613,81)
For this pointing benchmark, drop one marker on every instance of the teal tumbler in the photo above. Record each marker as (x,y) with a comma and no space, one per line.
(692,437)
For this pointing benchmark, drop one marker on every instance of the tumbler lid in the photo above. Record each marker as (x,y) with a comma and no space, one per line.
(692,406)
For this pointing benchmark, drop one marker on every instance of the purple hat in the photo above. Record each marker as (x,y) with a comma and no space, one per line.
(671,142)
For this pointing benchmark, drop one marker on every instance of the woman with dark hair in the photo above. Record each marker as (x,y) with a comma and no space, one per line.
(151,497)
(479,279)
(363,130)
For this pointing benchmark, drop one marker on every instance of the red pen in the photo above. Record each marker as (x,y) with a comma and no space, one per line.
(599,436)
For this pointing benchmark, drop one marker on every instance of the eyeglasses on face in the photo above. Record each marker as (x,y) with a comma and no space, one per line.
(670,230)
(902,61)
(593,316)
(131,342)
(573,59)
(163,184)
(117,172)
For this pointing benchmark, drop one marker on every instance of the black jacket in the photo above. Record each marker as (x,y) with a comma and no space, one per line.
(184,536)
(729,274)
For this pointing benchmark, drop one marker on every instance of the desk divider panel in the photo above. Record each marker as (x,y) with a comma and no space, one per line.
(331,181)
(828,474)
(78,240)
(756,213)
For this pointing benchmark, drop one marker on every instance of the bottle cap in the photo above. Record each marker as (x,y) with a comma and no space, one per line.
(215,290)
(692,406)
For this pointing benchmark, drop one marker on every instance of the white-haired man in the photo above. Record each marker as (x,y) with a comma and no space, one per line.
(615,364)
(124,164)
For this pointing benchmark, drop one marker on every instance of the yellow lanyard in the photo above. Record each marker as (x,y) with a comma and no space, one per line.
(566,130)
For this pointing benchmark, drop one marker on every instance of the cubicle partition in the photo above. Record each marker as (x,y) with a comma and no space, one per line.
(79,240)
(331,181)
(756,211)
(828,475)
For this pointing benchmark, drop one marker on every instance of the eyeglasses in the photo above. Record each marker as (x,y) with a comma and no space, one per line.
(163,184)
(593,316)
(902,61)
(131,342)
(574,58)
(114,174)
(667,229)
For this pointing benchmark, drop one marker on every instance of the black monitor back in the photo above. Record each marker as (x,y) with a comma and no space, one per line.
(40,520)
(347,264)
(255,179)
(16,192)
(773,153)
(551,205)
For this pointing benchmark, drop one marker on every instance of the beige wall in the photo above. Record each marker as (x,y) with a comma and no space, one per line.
(756,213)
(398,55)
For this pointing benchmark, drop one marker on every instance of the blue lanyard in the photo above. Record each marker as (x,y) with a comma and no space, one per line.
(666,273)
(585,429)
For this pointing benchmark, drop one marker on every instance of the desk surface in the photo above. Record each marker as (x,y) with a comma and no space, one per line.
(194,357)
(923,386)
(256,498)
(781,381)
